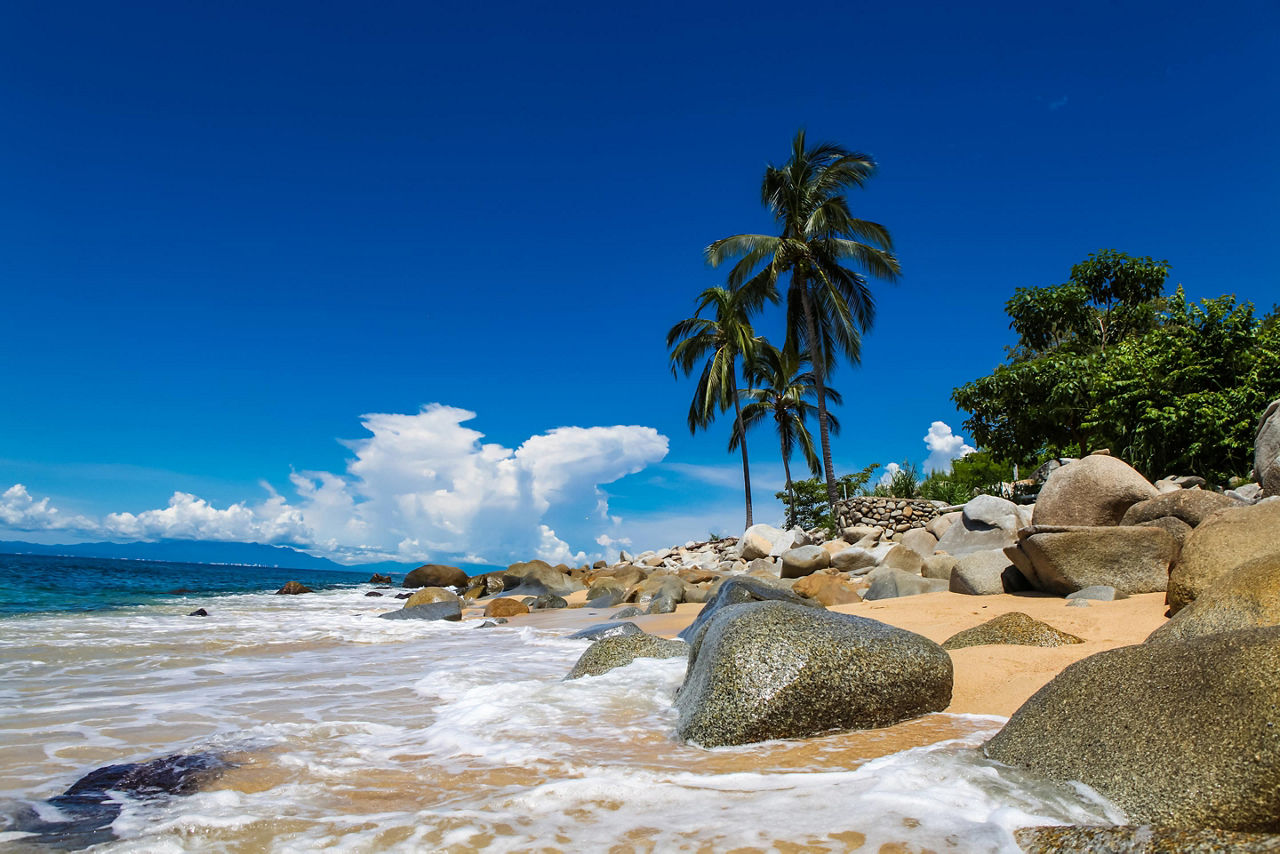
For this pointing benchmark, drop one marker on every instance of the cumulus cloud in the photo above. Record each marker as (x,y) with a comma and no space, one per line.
(419,487)
(889,471)
(944,446)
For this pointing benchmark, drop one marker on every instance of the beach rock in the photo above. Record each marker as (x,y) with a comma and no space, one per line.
(666,586)
(505,607)
(939,525)
(1015,628)
(1266,450)
(889,583)
(435,575)
(939,566)
(451,611)
(972,533)
(427,595)
(981,574)
(827,589)
(403,595)
(487,584)
(1180,734)
(994,512)
(1130,559)
(1094,491)
(739,591)
(853,559)
(373,593)
(620,650)
(920,541)
(379,578)
(199,612)
(661,604)
(1098,593)
(611,629)
(537,577)
(1175,528)
(548,602)
(606,592)
(1142,839)
(1192,506)
(801,561)
(758,540)
(628,612)
(293,588)
(768,670)
(763,566)
(1245,597)
(854,533)
(1220,543)
(903,558)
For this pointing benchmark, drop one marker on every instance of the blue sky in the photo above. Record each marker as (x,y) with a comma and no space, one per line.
(229,231)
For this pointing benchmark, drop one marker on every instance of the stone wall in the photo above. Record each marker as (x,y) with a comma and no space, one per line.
(892,514)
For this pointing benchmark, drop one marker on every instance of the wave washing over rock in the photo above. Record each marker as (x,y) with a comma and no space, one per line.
(341,730)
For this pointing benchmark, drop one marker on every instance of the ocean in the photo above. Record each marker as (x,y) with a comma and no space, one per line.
(342,731)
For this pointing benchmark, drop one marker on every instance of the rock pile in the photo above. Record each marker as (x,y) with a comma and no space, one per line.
(893,514)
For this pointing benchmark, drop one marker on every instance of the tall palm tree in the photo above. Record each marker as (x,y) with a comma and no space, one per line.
(783,382)
(829,305)
(719,340)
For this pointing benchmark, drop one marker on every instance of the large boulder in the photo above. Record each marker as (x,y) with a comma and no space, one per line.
(605,593)
(435,575)
(1094,491)
(940,566)
(920,541)
(985,574)
(774,670)
(428,595)
(768,541)
(1266,450)
(1180,734)
(854,559)
(986,522)
(803,560)
(827,589)
(537,577)
(1246,597)
(740,591)
(1014,628)
(1130,559)
(1192,506)
(657,586)
(903,558)
(889,583)
(620,650)
(505,606)
(1222,542)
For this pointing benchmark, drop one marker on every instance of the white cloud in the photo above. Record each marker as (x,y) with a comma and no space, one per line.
(944,446)
(889,471)
(419,487)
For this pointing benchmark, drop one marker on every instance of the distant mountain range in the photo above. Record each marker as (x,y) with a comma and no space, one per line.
(193,551)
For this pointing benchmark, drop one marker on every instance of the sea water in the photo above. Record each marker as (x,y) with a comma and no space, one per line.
(352,733)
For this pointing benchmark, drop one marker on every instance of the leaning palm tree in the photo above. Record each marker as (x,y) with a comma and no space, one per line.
(782,384)
(829,304)
(720,339)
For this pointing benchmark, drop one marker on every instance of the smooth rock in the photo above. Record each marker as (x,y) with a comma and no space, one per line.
(536,577)
(992,511)
(827,589)
(1094,491)
(1266,450)
(767,670)
(1014,628)
(854,558)
(765,566)
(803,560)
(505,607)
(451,611)
(548,602)
(920,541)
(1220,543)
(981,573)
(939,525)
(967,536)
(940,566)
(427,595)
(435,575)
(620,650)
(1181,734)
(757,541)
(1098,593)
(199,612)
(628,612)
(661,604)
(293,588)
(903,558)
(1192,506)
(1130,559)
(1175,527)
(740,591)
(889,583)
(611,629)
(1245,597)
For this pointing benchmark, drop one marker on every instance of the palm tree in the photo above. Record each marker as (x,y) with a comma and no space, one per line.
(829,305)
(720,340)
(782,384)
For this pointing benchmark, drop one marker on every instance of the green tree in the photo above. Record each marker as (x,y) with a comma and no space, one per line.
(716,342)
(811,507)
(977,473)
(829,304)
(783,384)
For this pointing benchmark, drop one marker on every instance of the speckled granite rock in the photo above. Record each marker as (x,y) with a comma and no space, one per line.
(1247,597)
(1142,839)
(428,595)
(1093,491)
(888,583)
(1183,734)
(505,607)
(981,573)
(738,591)
(1014,628)
(618,651)
(1131,559)
(434,611)
(1220,543)
(435,575)
(611,629)
(767,670)
(1192,506)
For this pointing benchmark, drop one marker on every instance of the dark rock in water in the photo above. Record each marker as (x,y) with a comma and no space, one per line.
(431,611)
(199,612)
(612,629)
(379,578)
(627,612)
(179,592)
(620,650)
(1179,734)
(293,588)
(765,670)
(435,575)
(489,624)
(505,606)
(1142,839)
(403,595)
(373,593)
(740,590)
(1015,628)
(548,601)
(91,805)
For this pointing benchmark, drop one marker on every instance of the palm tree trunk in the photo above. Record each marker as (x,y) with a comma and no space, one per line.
(820,380)
(791,495)
(746,469)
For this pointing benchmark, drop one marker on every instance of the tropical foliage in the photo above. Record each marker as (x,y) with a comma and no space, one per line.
(978,473)
(810,498)
(824,250)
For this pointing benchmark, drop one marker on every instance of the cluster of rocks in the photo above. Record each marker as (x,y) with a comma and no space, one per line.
(896,515)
